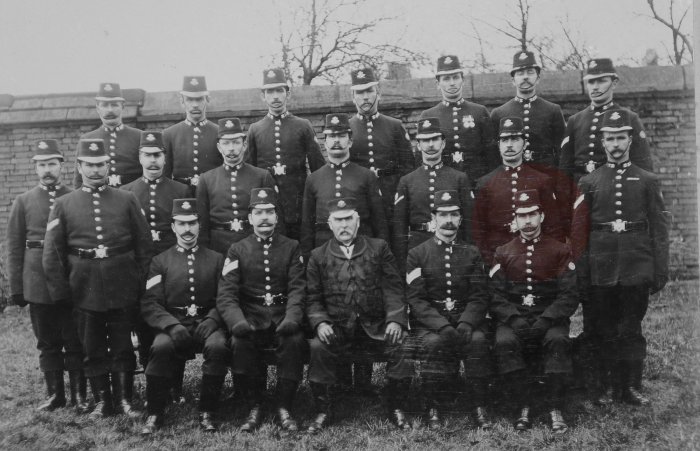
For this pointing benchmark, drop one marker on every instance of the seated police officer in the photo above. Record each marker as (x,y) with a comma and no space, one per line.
(535,293)
(261,300)
(180,303)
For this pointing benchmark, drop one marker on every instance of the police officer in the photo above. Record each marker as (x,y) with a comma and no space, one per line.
(284,144)
(180,305)
(380,143)
(627,254)
(415,197)
(495,193)
(190,145)
(261,298)
(469,146)
(447,290)
(155,194)
(121,141)
(535,294)
(543,120)
(355,304)
(223,194)
(53,325)
(340,178)
(97,249)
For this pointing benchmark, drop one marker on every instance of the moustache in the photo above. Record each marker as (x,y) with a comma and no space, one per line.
(188,235)
(153,167)
(337,147)
(265,224)
(449,226)
(110,116)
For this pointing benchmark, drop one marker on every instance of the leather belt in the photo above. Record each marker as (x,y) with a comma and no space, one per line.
(235,226)
(34,244)
(271,299)
(448,304)
(423,227)
(99,252)
(192,181)
(620,226)
(193,310)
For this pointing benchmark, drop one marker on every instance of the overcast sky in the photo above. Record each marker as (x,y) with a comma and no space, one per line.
(73,45)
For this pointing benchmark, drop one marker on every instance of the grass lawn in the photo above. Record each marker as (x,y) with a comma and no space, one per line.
(671,380)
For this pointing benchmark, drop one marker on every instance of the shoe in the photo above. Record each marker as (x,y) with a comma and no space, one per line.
(433,419)
(558,424)
(103,397)
(253,420)
(398,417)
(56,392)
(632,396)
(206,422)
(153,423)
(78,391)
(286,421)
(523,423)
(122,386)
(319,422)
(604,398)
(482,418)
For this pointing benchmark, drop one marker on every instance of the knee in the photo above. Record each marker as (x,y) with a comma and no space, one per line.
(557,341)
(506,342)
(433,342)
(162,346)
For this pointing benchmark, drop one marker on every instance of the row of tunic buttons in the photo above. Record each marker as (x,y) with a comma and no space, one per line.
(528,266)
(234,196)
(526,112)
(266,262)
(618,193)
(278,142)
(455,121)
(514,189)
(195,150)
(431,187)
(370,144)
(448,274)
(152,201)
(594,128)
(98,219)
(190,271)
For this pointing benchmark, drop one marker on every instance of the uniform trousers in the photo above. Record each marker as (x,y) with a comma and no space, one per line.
(106,340)
(290,352)
(57,337)
(519,349)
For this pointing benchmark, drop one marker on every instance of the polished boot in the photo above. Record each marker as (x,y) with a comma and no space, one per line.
(253,392)
(123,386)
(322,401)
(607,384)
(523,422)
(478,388)
(153,423)
(56,391)
(176,380)
(103,396)
(286,389)
(156,399)
(433,392)
(78,391)
(558,424)
(629,394)
(397,390)
(209,401)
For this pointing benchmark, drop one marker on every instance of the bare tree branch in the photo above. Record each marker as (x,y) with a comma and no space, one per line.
(681,41)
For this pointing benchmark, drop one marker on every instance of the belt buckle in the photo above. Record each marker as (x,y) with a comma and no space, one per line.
(191,310)
(268,299)
(114,180)
(155,235)
(236,225)
(279,169)
(590,166)
(194,180)
(449,304)
(457,157)
(529,300)
(100,252)
(619,226)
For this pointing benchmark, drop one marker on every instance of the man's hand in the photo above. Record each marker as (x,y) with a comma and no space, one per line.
(450,335)
(465,331)
(18,300)
(519,324)
(326,334)
(541,326)
(180,336)
(205,328)
(241,330)
(393,333)
(287,327)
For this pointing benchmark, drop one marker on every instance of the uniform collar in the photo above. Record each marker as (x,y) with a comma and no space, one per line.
(603,107)
(198,124)
(118,128)
(339,166)
(364,117)
(445,243)
(460,102)
(234,167)
(276,118)
(264,241)
(92,190)
(528,100)
(515,169)
(434,167)
(624,165)
(152,182)
(534,241)
(50,187)
(191,250)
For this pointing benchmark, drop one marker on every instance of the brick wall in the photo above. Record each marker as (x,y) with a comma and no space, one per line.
(663,97)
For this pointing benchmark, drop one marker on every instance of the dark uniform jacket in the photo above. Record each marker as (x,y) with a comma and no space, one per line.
(625,193)
(470,147)
(534,279)
(446,285)
(293,140)
(494,206)
(262,283)
(190,149)
(363,290)
(156,199)
(380,143)
(582,142)
(122,145)
(86,219)
(344,180)
(544,126)
(223,195)
(181,287)
(414,201)
(25,236)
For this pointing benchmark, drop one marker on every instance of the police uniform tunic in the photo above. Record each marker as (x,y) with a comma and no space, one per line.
(52,323)
(283,145)
(544,127)
(334,181)
(190,150)
(97,249)
(469,136)
(122,146)
(414,201)
(223,195)
(533,279)
(494,206)
(358,295)
(156,199)
(263,284)
(447,285)
(622,207)
(380,143)
(181,289)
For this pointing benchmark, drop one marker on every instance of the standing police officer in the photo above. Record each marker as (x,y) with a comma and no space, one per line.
(53,325)
(121,141)
(261,299)
(96,252)
(284,144)
(180,305)
(190,145)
